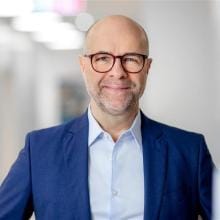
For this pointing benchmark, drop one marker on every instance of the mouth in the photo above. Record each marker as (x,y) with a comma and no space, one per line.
(116,87)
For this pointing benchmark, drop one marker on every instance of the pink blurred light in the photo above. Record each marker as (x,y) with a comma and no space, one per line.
(69,7)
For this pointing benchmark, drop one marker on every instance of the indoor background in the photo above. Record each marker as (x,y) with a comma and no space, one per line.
(40,80)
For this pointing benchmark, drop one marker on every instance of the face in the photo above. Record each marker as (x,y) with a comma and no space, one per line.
(115,92)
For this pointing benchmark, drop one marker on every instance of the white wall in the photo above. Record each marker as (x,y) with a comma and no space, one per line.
(183,86)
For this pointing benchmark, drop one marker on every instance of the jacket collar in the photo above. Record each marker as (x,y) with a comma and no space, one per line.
(76,158)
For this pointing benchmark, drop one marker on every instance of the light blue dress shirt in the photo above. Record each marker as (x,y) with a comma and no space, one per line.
(116,176)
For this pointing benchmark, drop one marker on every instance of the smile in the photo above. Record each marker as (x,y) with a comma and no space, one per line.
(116,87)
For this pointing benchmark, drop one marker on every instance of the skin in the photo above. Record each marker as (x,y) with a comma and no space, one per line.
(115,95)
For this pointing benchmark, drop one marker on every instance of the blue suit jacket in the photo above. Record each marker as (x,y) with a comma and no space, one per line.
(50,176)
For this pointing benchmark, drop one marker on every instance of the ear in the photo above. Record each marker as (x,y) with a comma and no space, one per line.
(148,63)
(82,63)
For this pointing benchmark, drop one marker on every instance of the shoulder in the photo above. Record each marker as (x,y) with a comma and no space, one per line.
(172,132)
(184,147)
(174,136)
(57,134)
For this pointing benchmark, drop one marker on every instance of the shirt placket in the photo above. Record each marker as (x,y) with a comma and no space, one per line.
(115,190)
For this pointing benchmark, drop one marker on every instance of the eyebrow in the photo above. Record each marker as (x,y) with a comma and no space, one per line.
(131,52)
(102,51)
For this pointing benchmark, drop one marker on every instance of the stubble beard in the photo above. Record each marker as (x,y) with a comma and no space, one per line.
(109,105)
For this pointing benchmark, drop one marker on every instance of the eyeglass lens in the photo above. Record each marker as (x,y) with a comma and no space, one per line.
(102,62)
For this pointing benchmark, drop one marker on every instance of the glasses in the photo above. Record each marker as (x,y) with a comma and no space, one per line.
(130,62)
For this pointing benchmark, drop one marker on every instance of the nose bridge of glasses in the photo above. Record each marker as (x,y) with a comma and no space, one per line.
(119,57)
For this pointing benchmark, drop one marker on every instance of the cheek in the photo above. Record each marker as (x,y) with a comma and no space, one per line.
(143,80)
(92,80)
(139,81)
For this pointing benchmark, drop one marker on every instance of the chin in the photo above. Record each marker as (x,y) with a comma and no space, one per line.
(116,106)
(115,112)
(116,109)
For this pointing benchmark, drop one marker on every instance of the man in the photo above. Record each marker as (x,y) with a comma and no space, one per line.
(112,162)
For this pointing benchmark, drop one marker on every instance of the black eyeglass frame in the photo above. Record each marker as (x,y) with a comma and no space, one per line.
(144,56)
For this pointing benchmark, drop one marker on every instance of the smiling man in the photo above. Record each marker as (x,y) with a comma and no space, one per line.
(115,68)
(112,162)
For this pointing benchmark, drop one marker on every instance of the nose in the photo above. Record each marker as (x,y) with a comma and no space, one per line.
(117,70)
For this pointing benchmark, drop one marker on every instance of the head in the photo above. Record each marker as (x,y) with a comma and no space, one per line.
(116,91)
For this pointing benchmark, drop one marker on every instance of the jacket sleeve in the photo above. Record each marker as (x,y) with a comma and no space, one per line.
(15,191)
(205,171)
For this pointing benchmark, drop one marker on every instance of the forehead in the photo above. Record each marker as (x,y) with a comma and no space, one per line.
(117,36)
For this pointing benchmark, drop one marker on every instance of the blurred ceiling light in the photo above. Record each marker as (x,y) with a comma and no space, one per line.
(11,8)
(43,5)
(60,36)
(52,32)
(63,45)
(68,7)
(35,21)
(83,21)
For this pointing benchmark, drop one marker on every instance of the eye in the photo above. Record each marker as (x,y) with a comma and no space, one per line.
(102,58)
(131,59)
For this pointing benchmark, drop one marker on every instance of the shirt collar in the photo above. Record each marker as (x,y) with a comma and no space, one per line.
(136,128)
(95,129)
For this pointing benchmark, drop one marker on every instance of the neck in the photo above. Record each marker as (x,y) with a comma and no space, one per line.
(114,124)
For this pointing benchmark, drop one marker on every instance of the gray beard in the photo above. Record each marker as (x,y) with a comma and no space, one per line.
(131,104)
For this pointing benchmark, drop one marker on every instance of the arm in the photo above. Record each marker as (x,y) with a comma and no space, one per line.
(205,171)
(15,191)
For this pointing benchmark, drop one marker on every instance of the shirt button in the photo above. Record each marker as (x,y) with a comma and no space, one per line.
(114,192)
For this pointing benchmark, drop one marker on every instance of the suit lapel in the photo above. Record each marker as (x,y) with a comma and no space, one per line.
(155,165)
(76,159)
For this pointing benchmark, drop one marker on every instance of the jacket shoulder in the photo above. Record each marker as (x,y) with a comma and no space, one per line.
(175,136)
(171,131)
(53,137)
(58,130)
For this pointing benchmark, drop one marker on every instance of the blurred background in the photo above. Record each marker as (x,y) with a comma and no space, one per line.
(40,80)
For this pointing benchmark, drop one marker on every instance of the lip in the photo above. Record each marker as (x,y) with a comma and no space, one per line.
(116,87)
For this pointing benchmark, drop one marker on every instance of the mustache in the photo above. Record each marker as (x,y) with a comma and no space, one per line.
(113,83)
